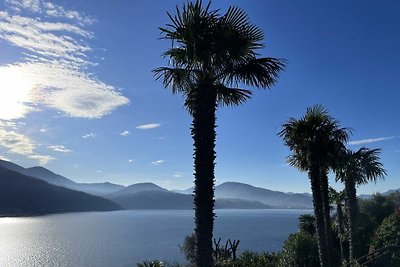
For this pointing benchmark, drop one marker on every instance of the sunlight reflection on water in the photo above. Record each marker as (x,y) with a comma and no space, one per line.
(123,238)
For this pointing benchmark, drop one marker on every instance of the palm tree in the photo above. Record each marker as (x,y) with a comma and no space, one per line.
(356,168)
(314,140)
(211,55)
(337,198)
(307,224)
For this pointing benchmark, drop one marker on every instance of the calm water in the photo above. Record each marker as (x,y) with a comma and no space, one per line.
(123,238)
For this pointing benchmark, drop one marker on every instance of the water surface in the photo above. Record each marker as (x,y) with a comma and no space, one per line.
(123,238)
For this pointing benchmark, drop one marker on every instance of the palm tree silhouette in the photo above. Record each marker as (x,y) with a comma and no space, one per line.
(337,198)
(211,55)
(355,168)
(315,139)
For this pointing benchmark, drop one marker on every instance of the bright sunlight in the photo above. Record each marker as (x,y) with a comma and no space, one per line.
(15,90)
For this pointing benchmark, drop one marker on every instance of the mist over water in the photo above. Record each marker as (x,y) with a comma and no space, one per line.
(123,238)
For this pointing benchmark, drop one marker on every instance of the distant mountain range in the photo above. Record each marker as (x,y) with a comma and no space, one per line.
(274,199)
(151,196)
(17,183)
(22,195)
(98,189)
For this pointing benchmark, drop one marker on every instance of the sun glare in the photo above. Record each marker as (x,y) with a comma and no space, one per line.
(15,89)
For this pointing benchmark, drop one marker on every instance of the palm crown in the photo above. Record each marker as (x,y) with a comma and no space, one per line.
(216,50)
(315,131)
(363,166)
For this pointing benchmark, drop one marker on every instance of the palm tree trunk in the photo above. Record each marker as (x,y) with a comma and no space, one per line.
(351,203)
(314,176)
(339,213)
(204,135)
(326,209)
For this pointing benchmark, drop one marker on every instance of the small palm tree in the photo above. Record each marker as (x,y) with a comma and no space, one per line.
(211,55)
(356,168)
(307,224)
(315,139)
(337,198)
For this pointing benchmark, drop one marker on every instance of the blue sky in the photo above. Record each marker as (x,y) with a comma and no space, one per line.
(77,94)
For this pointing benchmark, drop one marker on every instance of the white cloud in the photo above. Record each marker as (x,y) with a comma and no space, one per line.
(371,140)
(51,10)
(148,126)
(43,130)
(178,175)
(125,133)
(59,148)
(42,159)
(55,72)
(157,162)
(19,144)
(67,90)
(99,171)
(89,135)
(130,160)
(49,39)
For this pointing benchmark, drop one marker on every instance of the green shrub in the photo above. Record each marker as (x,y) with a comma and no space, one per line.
(251,259)
(299,250)
(188,248)
(388,236)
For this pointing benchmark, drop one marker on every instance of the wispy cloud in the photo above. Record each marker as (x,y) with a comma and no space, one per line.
(89,135)
(56,65)
(59,148)
(157,162)
(50,9)
(371,140)
(130,160)
(178,175)
(43,130)
(125,133)
(20,144)
(148,126)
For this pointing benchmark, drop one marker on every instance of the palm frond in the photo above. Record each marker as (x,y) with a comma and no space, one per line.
(238,20)
(258,72)
(231,96)
(179,79)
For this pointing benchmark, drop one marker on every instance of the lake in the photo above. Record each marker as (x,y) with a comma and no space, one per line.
(123,238)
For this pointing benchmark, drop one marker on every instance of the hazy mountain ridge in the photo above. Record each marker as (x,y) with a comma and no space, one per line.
(274,199)
(232,195)
(22,195)
(98,189)
(135,188)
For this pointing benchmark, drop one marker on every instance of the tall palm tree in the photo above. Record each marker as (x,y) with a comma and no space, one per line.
(211,55)
(314,140)
(337,198)
(355,168)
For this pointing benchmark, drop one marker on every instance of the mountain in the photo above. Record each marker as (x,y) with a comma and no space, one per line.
(11,166)
(97,189)
(151,196)
(48,176)
(22,195)
(391,192)
(271,198)
(185,191)
(234,203)
(135,188)
(153,199)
